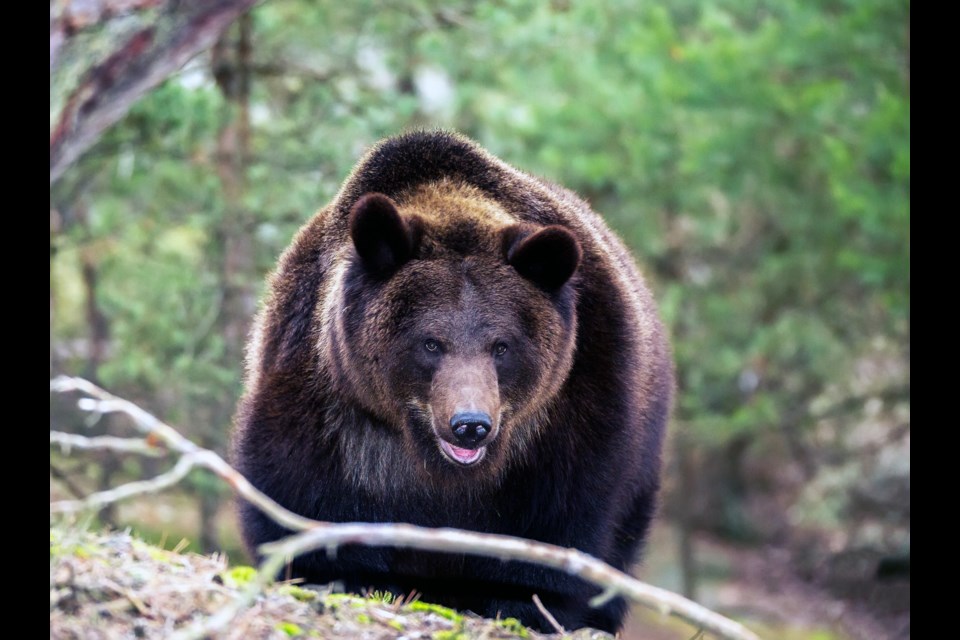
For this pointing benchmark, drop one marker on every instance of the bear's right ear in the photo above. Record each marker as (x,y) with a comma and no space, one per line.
(383,240)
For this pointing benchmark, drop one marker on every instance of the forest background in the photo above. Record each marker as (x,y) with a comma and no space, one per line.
(754,155)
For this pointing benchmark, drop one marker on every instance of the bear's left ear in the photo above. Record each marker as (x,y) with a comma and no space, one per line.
(547,257)
(384,240)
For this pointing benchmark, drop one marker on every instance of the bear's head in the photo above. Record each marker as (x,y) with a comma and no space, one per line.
(454,325)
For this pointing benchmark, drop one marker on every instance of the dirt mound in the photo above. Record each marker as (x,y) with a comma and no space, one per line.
(111,585)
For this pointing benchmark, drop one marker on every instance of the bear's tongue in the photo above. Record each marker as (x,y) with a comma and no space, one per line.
(465,456)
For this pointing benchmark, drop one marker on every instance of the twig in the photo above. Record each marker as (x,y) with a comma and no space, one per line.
(98,500)
(68,441)
(320,535)
(549,616)
(138,604)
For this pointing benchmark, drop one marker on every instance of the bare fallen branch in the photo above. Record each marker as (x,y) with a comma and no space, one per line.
(572,561)
(320,535)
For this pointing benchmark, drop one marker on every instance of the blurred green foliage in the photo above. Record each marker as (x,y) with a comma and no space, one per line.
(754,154)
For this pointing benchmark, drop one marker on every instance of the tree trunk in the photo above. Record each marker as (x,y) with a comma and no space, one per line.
(231,60)
(98,342)
(56,225)
(105,55)
(209,505)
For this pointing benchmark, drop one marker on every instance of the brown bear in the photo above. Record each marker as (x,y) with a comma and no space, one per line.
(453,342)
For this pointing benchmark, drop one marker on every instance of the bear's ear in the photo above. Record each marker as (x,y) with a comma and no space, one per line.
(383,239)
(547,257)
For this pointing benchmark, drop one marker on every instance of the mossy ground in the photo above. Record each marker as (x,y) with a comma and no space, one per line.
(112,585)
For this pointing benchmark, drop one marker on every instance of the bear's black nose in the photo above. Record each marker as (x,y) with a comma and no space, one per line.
(470,428)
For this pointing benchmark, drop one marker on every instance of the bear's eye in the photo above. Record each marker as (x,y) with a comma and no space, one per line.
(432,346)
(499,349)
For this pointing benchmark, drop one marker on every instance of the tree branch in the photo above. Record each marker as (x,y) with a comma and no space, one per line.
(89,93)
(320,535)
(68,441)
(103,498)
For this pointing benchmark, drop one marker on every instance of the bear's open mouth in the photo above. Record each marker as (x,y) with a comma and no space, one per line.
(462,456)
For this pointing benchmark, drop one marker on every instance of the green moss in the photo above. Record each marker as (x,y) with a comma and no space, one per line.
(158,554)
(239,576)
(335,600)
(338,597)
(291,629)
(303,595)
(443,612)
(791,632)
(56,548)
(80,545)
(363,618)
(449,635)
(514,626)
(396,624)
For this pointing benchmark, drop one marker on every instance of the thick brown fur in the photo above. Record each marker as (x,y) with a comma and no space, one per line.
(442,282)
